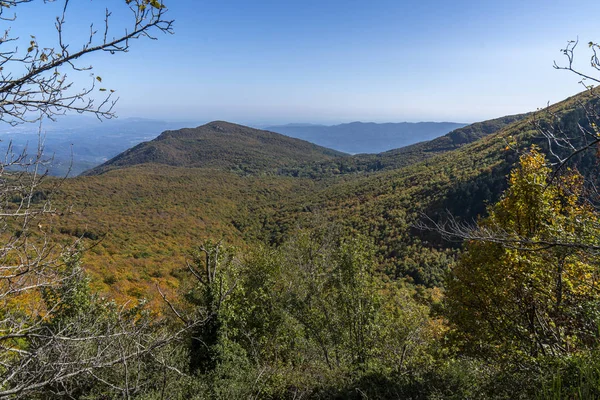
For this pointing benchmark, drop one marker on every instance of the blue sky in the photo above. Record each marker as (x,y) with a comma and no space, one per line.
(262,62)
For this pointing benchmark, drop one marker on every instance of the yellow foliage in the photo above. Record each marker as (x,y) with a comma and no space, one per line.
(530,287)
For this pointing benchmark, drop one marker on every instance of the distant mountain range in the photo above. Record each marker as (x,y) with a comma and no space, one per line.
(75,144)
(240,149)
(367,137)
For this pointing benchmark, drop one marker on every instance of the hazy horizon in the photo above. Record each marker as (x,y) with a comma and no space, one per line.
(70,121)
(272,63)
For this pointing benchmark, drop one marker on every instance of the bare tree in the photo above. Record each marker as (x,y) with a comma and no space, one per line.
(566,143)
(34,81)
(55,336)
(567,137)
(72,342)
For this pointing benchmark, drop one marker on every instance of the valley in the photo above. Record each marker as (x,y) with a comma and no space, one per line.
(285,233)
(154,203)
(187,212)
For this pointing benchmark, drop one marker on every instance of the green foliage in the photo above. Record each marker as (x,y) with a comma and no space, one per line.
(572,377)
(72,297)
(345,308)
(216,279)
(316,307)
(530,288)
(334,295)
(221,145)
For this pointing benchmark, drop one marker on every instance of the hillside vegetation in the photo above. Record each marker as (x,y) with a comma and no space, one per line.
(147,218)
(291,279)
(460,180)
(220,145)
(151,213)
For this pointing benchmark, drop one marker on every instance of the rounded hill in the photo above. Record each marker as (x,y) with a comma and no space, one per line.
(221,145)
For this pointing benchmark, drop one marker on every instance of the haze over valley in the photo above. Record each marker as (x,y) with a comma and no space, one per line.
(188,212)
(76,144)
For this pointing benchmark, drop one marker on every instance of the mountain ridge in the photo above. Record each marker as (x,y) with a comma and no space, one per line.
(222,145)
(405,156)
(182,205)
(367,137)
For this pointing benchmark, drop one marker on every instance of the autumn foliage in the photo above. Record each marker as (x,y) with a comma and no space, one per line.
(529,287)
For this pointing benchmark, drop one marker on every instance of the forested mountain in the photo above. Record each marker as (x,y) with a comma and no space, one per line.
(74,144)
(221,145)
(171,180)
(294,249)
(367,137)
(404,156)
(459,173)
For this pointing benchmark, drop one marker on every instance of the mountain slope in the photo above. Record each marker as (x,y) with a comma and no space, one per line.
(150,216)
(388,204)
(361,137)
(451,141)
(77,143)
(153,213)
(220,145)
(404,156)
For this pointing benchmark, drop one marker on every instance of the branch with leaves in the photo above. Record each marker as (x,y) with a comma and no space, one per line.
(34,83)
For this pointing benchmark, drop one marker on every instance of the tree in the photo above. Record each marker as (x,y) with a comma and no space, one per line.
(214,267)
(54,334)
(527,284)
(311,313)
(34,81)
(79,344)
(354,319)
(569,141)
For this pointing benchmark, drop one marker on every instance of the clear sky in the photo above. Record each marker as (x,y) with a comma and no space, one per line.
(332,61)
